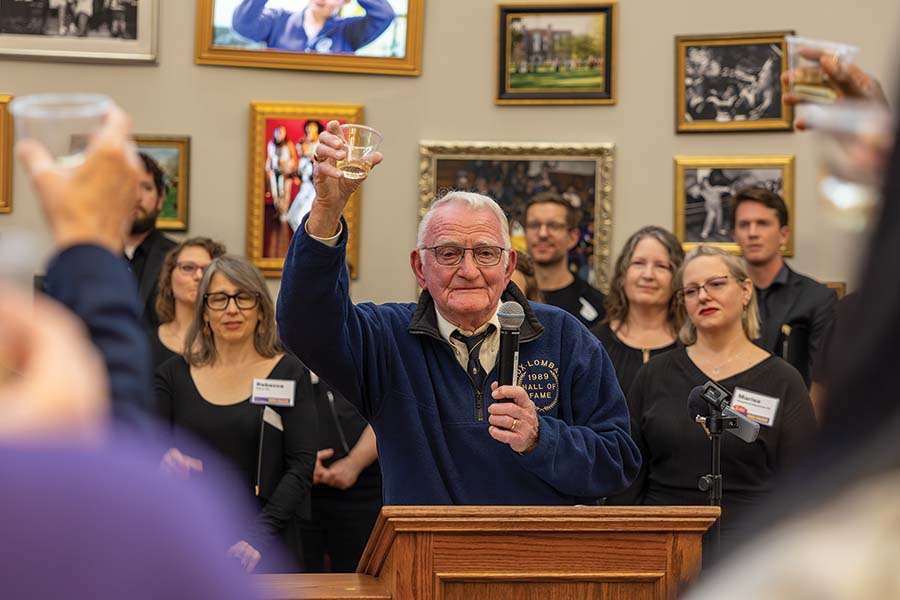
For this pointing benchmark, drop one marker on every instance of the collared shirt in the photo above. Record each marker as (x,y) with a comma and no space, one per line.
(487,355)
(762,295)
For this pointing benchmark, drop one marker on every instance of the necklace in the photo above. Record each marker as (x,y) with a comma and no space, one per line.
(717,369)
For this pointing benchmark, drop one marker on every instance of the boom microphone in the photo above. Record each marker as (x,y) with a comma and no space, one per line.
(713,395)
(511,315)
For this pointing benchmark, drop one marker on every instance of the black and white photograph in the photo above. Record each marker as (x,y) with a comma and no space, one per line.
(731,83)
(114,19)
(706,186)
(79,30)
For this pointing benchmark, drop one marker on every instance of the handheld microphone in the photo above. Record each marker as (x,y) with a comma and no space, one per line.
(511,315)
(713,395)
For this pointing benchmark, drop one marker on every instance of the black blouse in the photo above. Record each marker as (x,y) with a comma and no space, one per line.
(161,352)
(676,450)
(233,432)
(626,359)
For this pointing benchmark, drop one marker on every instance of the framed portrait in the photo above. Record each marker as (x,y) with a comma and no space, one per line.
(280,188)
(705,187)
(731,82)
(80,30)
(511,173)
(350,36)
(560,53)
(173,154)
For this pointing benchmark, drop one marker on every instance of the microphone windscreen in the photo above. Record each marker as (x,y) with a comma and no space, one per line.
(511,315)
(696,404)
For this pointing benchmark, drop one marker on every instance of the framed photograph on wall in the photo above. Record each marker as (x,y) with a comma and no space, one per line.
(280,189)
(705,187)
(559,53)
(511,173)
(731,82)
(6,154)
(173,153)
(351,36)
(80,30)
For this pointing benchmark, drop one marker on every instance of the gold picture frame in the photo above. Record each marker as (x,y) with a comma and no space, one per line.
(270,217)
(397,50)
(540,62)
(748,66)
(702,186)
(173,154)
(6,154)
(486,166)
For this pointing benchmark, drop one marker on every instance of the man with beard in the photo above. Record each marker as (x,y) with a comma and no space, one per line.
(145,246)
(551,231)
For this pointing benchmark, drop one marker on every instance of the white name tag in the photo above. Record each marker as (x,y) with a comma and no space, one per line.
(273,392)
(755,406)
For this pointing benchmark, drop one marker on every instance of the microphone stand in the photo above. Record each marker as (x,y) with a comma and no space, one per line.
(711,483)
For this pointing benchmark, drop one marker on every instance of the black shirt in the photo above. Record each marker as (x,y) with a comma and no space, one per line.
(233,432)
(579,299)
(625,359)
(676,450)
(161,352)
(340,427)
(145,265)
(764,296)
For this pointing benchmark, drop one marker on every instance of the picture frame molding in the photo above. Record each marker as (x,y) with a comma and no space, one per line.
(6,154)
(786,162)
(180,222)
(682,42)
(206,53)
(89,50)
(501,53)
(260,112)
(602,153)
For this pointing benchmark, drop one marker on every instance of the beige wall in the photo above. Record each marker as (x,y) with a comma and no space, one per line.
(452,100)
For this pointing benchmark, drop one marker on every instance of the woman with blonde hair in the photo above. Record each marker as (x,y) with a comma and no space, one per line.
(642,320)
(718,306)
(214,394)
(179,280)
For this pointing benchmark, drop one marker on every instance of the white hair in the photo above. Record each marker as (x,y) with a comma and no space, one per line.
(474,202)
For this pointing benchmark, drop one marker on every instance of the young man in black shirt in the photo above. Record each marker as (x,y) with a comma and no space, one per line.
(551,231)
(145,246)
(794,310)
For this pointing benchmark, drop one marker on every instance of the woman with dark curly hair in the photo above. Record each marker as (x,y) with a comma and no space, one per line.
(641,317)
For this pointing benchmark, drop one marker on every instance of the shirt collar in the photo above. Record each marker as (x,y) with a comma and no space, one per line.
(780,279)
(447,328)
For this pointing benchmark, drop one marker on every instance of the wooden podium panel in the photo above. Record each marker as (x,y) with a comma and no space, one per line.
(457,552)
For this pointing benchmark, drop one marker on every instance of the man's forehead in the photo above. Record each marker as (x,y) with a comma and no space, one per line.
(457,222)
(750,209)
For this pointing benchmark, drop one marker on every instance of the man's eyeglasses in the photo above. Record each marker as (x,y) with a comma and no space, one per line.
(219,300)
(552,227)
(451,256)
(189,268)
(712,286)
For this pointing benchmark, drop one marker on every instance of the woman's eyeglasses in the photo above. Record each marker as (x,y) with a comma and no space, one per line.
(219,300)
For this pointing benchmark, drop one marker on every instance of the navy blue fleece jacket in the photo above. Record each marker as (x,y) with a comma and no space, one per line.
(391,362)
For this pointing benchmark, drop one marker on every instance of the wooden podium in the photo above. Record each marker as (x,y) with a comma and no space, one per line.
(517,553)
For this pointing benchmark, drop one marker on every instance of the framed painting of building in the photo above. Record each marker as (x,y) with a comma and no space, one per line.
(559,53)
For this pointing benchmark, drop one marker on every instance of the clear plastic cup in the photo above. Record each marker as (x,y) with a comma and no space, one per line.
(63,123)
(808,79)
(359,143)
(854,141)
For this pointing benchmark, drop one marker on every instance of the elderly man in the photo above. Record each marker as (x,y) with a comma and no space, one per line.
(424,375)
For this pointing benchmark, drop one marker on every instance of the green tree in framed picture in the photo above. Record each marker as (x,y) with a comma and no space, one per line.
(556,54)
